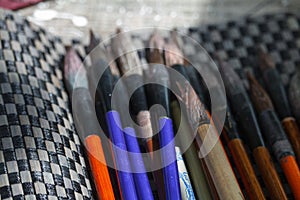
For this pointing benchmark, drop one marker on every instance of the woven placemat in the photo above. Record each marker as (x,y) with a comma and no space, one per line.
(40,153)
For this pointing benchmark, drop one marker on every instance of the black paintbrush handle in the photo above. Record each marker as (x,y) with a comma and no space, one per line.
(246,119)
(277,92)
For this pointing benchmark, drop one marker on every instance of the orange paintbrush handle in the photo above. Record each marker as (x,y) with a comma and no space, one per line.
(292,174)
(245,169)
(99,168)
(292,130)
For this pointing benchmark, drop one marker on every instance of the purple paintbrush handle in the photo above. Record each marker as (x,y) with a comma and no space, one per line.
(168,155)
(121,157)
(140,177)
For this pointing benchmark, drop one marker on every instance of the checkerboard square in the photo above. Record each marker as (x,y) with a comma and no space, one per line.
(40,188)
(17,189)
(35,165)
(25,177)
(12,166)
(21,154)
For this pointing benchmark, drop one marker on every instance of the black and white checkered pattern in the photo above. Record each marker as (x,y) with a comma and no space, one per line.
(40,153)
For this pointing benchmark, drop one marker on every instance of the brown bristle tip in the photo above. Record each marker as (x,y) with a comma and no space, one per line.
(155,57)
(118,30)
(265,60)
(92,35)
(260,49)
(218,58)
(156,41)
(172,54)
(68,47)
(259,96)
(250,76)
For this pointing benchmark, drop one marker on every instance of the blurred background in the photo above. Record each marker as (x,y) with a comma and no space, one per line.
(73,18)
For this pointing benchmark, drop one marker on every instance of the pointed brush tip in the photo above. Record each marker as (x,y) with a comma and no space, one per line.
(260,49)
(118,30)
(91,33)
(155,57)
(250,76)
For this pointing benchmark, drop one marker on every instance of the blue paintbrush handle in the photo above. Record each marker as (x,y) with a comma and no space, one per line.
(121,157)
(141,180)
(168,155)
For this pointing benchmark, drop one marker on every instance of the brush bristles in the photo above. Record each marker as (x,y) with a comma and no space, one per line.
(94,41)
(259,97)
(231,79)
(73,68)
(176,39)
(156,42)
(155,57)
(173,55)
(126,54)
(112,64)
(265,60)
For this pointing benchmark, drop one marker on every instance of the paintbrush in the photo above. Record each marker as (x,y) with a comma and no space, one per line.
(94,41)
(159,93)
(137,164)
(186,189)
(193,163)
(105,88)
(215,155)
(244,114)
(276,90)
(96,54)
(113,66)
(294,96)
(132,75)
(154,57)
(129,64)
(239,154)
(141,180)
(130,67)
(88,128)
(196,83)
(240,158)
(275,135)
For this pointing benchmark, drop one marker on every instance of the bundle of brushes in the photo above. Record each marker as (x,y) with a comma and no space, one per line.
(127,135)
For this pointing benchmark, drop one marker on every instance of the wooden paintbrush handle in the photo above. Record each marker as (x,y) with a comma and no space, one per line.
(219,166)
(245,169)
(292,174)
(99,168)
(271,179)
(292,130)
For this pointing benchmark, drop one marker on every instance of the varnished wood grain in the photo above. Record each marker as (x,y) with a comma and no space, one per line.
(271,179)
(292,130)
(99,168)
(245,169)
(292,174)
(219,167)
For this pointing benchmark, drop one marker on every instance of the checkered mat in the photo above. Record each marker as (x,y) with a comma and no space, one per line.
(40,153)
